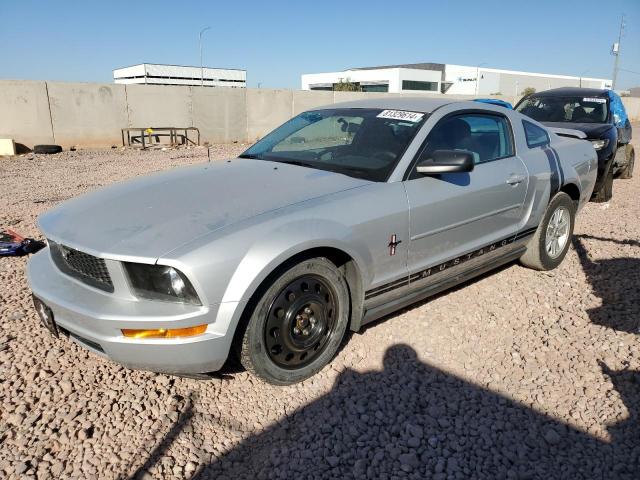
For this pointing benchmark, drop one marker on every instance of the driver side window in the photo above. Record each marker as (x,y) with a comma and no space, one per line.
(486,136)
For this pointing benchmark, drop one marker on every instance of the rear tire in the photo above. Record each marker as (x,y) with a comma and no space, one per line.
(297,324)
(550,243)
(627,171)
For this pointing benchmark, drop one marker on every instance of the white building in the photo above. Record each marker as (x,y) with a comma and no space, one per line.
(447,79)
(150,74)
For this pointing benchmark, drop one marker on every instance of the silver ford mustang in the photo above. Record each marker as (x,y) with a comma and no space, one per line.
(338,217)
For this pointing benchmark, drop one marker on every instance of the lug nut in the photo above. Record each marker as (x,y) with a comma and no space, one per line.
(296,330)
(307,310)
(298,317)
(305,332)
(312,320)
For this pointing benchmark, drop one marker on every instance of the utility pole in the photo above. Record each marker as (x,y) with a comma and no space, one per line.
(200,43)
(615,50)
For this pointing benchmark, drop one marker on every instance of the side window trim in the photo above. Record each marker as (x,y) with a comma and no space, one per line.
(538,144)
(458,113)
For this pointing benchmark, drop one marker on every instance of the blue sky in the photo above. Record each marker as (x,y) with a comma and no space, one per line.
(276,41)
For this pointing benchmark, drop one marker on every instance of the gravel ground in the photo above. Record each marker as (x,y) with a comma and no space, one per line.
(519,374)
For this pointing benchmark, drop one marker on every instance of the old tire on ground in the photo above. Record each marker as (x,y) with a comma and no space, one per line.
(47,149)
(297,324)
(627,172)
(606,189)
(550,243)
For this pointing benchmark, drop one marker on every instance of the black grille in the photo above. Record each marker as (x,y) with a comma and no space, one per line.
(86,268)
(82,340)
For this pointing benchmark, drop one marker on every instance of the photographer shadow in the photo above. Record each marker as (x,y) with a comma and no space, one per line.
(616,282)
(413,420)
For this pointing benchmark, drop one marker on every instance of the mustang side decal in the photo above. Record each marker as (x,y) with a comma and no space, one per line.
(435,269)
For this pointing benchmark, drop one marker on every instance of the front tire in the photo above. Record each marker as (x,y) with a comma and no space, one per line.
(606,190)
(627,172)
(297,324)
(550,243)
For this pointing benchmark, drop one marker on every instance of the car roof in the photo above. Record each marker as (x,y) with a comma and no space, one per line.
(414,104)
(572,91)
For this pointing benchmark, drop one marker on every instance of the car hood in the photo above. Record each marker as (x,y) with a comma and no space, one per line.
(152,215)
(591,130)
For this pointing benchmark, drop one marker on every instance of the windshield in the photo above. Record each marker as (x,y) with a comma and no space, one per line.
(360,142)
(565,109)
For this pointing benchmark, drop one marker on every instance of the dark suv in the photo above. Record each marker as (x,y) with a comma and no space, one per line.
(600,114)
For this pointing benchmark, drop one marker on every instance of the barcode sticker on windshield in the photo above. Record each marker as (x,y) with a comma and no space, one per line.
(401,115)
(595,100)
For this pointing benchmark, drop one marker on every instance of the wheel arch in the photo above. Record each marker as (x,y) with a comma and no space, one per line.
(572,190)
(345,262)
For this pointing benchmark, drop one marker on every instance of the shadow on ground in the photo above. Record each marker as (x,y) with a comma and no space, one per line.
(616,282)
(184,411)
(412,420)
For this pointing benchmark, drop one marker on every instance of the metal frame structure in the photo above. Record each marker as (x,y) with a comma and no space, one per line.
(171,132)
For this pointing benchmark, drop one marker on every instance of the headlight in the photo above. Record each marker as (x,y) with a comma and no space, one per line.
(600,144)
(159,282)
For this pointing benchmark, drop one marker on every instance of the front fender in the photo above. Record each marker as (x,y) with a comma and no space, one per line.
(230,268)
(287,241)
(230,264)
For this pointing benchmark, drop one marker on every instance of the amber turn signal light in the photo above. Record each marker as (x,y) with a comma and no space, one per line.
(165,332)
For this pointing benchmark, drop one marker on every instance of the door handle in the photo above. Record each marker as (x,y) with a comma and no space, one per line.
(515,179)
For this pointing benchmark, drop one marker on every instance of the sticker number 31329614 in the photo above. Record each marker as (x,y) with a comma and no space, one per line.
(594,100)
(401,115)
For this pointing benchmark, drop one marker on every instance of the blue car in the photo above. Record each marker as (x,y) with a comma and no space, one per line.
(495,101)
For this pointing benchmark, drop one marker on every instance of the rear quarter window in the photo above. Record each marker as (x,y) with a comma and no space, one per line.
(535,135)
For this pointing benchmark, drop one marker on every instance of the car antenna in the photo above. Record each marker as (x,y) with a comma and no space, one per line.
(209,153)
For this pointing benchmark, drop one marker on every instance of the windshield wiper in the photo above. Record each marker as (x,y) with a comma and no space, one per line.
(250,156)
(291,162)
(353,169)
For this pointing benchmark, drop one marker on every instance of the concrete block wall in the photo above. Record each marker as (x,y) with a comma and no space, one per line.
(91,114)
(87,113)
(159,106)
(24,112)
(632,106)
(267,109)
(220,113)
(304,100)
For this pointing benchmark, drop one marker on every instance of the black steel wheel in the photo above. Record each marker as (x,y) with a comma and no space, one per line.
(297,324)
(300,322)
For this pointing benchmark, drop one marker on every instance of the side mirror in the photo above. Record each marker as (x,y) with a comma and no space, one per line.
(446,161)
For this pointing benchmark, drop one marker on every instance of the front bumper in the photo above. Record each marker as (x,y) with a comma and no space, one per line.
(94,319)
